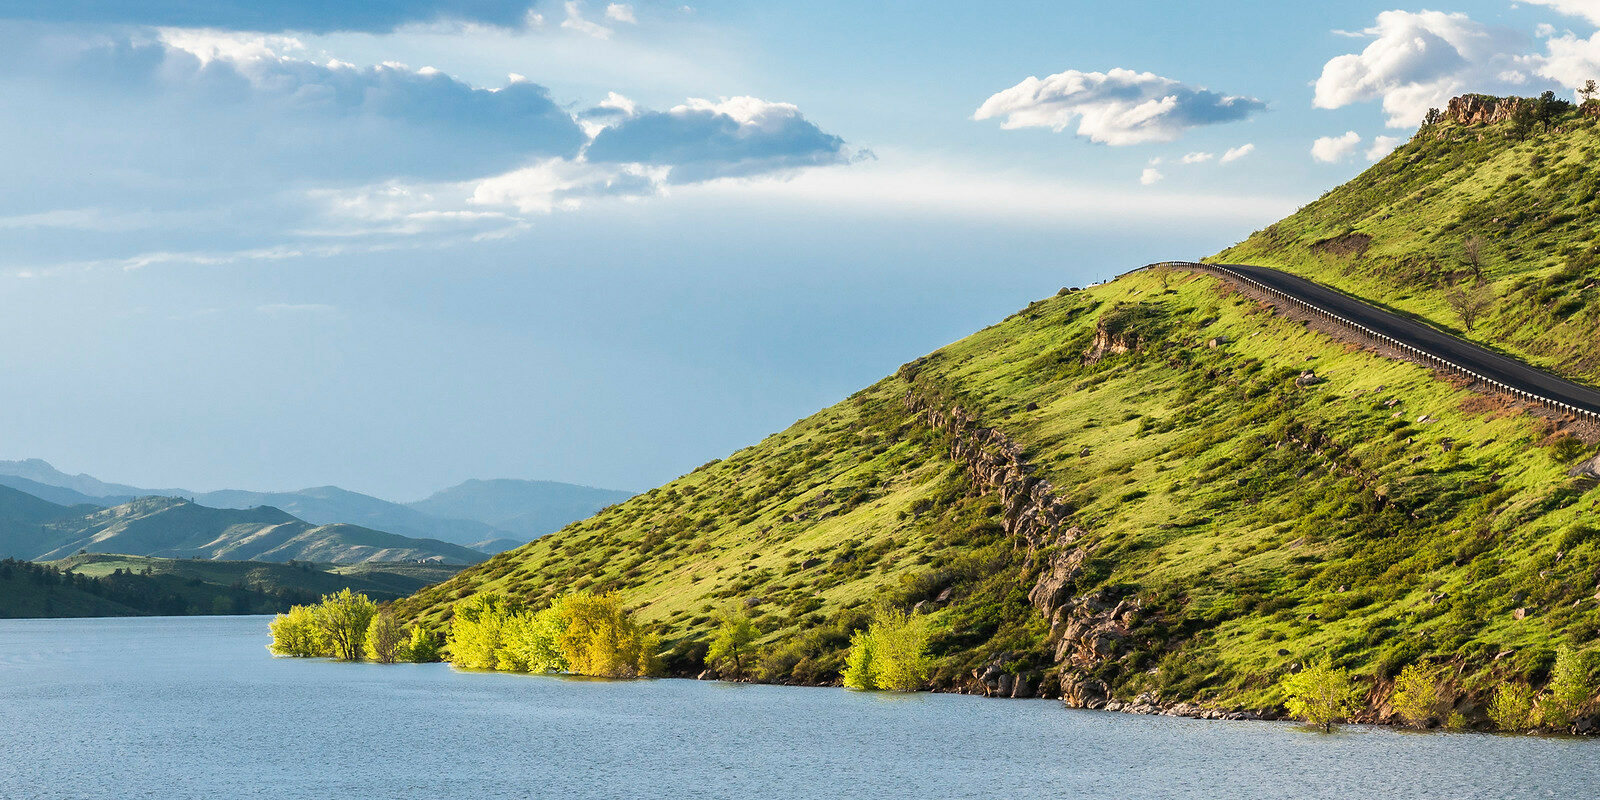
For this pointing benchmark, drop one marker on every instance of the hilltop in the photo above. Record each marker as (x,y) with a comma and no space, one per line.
(1484,223)
(1154,488)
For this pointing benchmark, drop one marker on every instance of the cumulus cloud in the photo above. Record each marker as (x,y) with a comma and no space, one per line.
(213,147)
(1120,107)
(311,16)
(1333,149)
(1236,153)
(1150,176)
(704,139)
(1570,60)
(1587,9)
(1418,60)
(1382,146)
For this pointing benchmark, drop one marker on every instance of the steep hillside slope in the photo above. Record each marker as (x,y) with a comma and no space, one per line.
(1154,485)
(1470,227)
(528,509)
(176,528)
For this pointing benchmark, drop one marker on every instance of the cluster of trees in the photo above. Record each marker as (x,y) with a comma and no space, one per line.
(350,627)
(579,633)
(1321,695)
(890,654)
(143,592)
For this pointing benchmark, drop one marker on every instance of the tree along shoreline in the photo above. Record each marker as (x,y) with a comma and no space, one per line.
(592,635)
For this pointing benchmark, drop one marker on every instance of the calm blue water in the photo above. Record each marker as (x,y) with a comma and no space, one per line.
(194,707)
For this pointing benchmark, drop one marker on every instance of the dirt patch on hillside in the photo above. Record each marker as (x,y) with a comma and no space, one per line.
(1349,245)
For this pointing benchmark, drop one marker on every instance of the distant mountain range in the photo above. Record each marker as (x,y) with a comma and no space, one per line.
(489,516)
(171,527)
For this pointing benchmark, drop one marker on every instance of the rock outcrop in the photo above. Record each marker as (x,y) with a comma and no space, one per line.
(1084,630)
(1482,109)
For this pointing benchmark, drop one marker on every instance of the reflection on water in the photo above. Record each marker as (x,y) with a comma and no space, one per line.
(193,707)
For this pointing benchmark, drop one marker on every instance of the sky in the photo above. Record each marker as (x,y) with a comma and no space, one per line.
(270,245)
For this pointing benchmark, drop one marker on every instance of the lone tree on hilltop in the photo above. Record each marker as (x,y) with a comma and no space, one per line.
(1435,116)
(1589,90)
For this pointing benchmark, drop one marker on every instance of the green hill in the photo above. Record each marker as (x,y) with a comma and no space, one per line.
(1468,218)
(1152,486)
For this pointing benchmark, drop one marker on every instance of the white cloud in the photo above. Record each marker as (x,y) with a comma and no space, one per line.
(1236,153)
(1333,149)
(575,22)
(621,12)
(1382,146)
(1150,176)
(1418,60)
(1588,9)
(1570,60)
(1119,107)
(1196,158)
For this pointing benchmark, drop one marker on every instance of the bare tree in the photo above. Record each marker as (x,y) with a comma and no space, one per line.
(1472,253)
(1469,303)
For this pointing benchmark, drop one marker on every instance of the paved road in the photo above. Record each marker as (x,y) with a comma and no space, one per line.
(1493,366)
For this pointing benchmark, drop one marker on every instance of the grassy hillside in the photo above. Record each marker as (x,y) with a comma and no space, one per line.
(1238,517)
(1462,216)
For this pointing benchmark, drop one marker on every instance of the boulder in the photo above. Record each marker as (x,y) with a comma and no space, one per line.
(1588,469)
(1079,692)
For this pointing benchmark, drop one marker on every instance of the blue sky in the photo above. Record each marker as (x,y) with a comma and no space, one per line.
(394,246)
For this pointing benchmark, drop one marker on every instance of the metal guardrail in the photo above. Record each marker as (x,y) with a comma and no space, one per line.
(1440,361)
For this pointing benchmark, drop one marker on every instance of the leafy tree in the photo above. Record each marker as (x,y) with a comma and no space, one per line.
(423,647)
(891,654)
(478,630)
(902,650)
(859,670)
(1523,118)
(1589,90)
(533,641)
(1511,707)
(343,619)
(297,634)
(1416,695)
(1320,694)
(600,640)
(1433,117)
(384,638)
(1567,696)
(731,646)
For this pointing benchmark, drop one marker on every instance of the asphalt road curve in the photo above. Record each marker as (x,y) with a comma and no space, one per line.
(1510,373)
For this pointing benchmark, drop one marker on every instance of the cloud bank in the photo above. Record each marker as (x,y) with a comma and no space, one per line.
(1120,107)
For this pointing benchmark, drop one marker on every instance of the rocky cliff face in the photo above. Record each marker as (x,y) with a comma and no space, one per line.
(1084,630)
(1482,109)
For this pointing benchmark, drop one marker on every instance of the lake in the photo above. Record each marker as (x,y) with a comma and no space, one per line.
(193,707)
